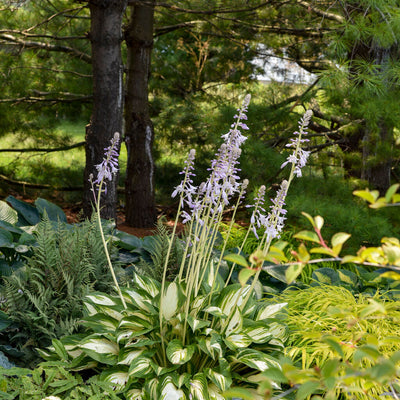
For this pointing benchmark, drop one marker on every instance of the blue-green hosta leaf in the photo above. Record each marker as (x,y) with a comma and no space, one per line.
(150,286)
(168,391)
(177,353)
(100,349)
(7,213)
(27,214)
(196,324)
(235,323)
(237,340)
(199,387)
(222,381)
(232,296)
(6,239)
(256,359)
(127,355)
(258,333)
(269,311)
(141,367)
(170,301)
(118,376)
(100,323)
(53,212)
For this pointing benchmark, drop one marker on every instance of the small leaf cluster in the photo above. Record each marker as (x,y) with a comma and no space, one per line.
(224,342)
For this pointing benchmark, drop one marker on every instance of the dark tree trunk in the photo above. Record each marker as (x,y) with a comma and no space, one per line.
(107,115)
(139,133)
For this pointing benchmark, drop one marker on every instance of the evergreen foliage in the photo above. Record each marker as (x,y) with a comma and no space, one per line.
(44,298)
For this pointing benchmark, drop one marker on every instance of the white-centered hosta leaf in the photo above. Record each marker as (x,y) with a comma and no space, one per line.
(256,359)
(199,387)
(140,367)
(133,297)
(101,350)
(258,333)
(134,394)
(170,301)
(223,382)
(117,376)
(127,355)
(215,393)
(196,324)
(170,392)
(177,353)
(149,285)
(232,296)
(235,323)
(101,299)
(213,310)
(238,340)
(269,311)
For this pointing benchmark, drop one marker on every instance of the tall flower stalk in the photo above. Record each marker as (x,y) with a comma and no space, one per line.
(105,171)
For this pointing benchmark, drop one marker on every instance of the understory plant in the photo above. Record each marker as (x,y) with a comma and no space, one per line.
(198,335)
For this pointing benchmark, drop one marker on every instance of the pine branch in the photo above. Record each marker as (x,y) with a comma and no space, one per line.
(43,150)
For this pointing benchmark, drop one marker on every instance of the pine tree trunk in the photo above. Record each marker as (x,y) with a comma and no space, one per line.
(139,133)
(107,115)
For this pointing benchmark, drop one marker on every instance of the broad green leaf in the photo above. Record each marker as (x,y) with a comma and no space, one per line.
(339,238)
(198,387)
(380,203)
(307,235)
(170,301)
(309,217)
(319,222)
(5,320)
(60,349)
(390,192)
(141,367)
(6,239)
(169,391)
(392,253)
(237,259)
(348,277)
(270,310)
(322,250)
(276,255)
(27,214)
(53,212)
(245,274)
(391,275)
(333,343)
(127,241)
(242,393)
(177,353)
(307,389)
(196,324)
(351,259)
(292,272)
(367,195)
(7,213)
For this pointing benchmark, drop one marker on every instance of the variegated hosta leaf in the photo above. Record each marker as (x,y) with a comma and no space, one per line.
(128,354)
(118,376)
(168,391)
(214,393)
(160,371)
(151,388)
(235,323)
(222,381)
(141,367)
(215,311)
(199,387)
(178,354)
(237,340)
(132,296)
(134,394)
(196,324)
(100,323)
(269,311)
(232,296)
(101,299)
(256,359)
(199,302)
(136,321)
(100,349)
(278,331)
(211,345)
(170,301)
(258,333)
(151,286)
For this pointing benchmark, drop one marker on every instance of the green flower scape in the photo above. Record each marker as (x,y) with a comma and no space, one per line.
(206,328)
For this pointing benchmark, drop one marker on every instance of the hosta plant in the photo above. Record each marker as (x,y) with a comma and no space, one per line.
(199,335)
(219,342)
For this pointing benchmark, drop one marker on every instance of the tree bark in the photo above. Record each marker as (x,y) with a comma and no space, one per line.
(139,132)
(107,115)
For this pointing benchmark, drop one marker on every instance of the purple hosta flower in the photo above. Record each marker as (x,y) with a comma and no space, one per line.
(275,220)
(109,166)
(299,157)
(258,219)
